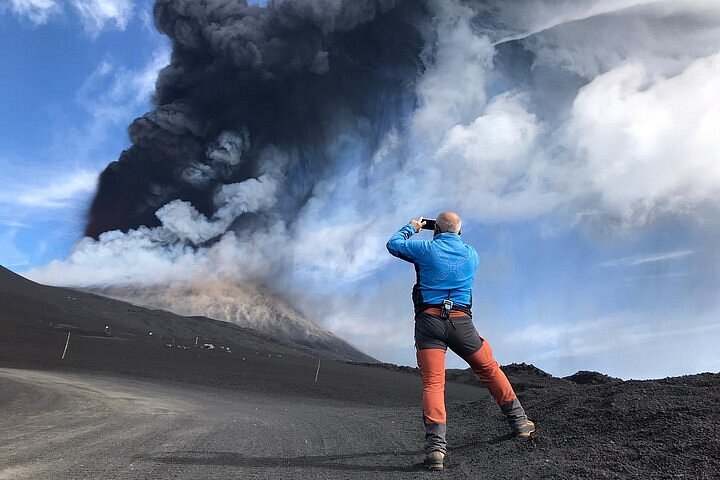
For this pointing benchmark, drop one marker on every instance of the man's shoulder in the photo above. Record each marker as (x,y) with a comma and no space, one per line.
(466,250)
(420,244)
(470,247)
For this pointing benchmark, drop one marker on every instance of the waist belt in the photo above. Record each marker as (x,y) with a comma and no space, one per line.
(453,313)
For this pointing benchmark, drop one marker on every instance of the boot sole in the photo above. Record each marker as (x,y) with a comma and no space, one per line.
(435,467)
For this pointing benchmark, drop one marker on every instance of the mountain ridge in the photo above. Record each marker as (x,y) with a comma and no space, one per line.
(90,312)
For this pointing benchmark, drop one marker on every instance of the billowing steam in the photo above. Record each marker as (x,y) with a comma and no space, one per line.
(289,140)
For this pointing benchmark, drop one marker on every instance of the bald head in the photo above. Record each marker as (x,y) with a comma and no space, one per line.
(448,222)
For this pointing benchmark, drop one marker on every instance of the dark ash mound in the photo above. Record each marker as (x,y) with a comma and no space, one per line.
(634,429)
(584,377)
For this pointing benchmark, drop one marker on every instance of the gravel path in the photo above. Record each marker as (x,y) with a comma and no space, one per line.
(86,425)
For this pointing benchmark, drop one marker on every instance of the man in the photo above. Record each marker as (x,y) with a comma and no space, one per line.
(445,268)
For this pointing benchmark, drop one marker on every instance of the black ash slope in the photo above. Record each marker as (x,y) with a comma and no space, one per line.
(38,308)
(35,321)
(130,406)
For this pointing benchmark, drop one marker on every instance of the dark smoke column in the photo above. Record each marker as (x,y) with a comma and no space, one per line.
(295,75)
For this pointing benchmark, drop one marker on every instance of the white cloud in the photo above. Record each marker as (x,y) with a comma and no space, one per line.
(634,146)
(649,146)
(453,89)
(58,193)
(494,160)
(113,94)
(50,192)
(37,11)
(96,15)
(58,182)
(636,260)
(13,224)
(538,17)
(662,35)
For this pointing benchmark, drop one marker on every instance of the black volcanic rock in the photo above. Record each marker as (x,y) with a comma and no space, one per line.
(584,377)
(524,369)
(522,377)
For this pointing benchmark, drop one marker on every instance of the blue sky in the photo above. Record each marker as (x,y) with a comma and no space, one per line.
(636,302)
(642,305)
(70,85)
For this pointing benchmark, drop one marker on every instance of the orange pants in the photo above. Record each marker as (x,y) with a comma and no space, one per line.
(432,369)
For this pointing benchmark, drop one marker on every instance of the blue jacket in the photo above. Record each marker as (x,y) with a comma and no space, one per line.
(445,267)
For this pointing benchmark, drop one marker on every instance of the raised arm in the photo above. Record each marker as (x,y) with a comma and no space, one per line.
(402,247)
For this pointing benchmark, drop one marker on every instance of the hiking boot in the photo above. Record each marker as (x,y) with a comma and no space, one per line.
(524,430)
(434,460)
(517,419)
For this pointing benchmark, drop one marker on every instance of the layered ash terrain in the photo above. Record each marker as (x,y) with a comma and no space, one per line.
(42,307)
(249,306)
(127,404)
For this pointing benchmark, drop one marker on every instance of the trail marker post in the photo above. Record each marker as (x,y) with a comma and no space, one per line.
(67,341)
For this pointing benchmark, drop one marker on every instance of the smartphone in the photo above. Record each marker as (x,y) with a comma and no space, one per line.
(429,224)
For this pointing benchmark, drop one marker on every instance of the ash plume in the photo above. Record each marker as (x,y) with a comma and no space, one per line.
(286,140)
(295,77)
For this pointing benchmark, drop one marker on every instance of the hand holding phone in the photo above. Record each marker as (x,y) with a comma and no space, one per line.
(429,224)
